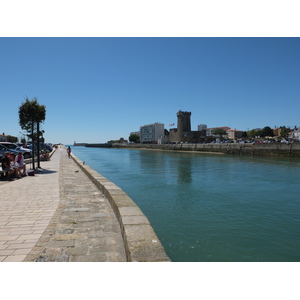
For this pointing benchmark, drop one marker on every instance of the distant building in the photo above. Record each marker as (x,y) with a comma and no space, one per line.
(234,134)
(3,137)
(136,132)
(152,133)
(183,132)
(210,131)
(202,127)
(296,133)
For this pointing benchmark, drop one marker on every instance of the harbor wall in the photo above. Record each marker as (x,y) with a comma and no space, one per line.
(263,149)
(140,241)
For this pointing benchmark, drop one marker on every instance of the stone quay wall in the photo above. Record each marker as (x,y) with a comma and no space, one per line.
(263,149)
(140,241)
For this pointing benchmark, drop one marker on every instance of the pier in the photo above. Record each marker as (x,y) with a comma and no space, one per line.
(68,212)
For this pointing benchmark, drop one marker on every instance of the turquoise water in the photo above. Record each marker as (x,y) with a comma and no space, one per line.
(206,207)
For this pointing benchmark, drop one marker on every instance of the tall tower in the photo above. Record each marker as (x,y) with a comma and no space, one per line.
(183,123)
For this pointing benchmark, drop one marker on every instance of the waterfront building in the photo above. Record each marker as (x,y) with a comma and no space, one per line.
(202,127)
(152,133)
(234,134)
(210,131)
(3,137)
(136,132)
(296,133)
(183,132)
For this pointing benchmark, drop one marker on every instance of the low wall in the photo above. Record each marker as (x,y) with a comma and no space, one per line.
(263,149)
(140,240)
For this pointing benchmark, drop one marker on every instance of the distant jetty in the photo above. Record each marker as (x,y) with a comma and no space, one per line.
(98,145)
(80,144)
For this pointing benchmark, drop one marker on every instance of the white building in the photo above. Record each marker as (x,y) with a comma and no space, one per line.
(136,132)
(234,134)
(210,131)
(202,127)
(152,133)
(296,133)
(3,138)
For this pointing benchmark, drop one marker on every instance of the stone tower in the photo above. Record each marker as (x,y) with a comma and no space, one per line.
(183,123)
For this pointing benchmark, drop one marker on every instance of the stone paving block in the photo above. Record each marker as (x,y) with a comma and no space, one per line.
(100,257)
(61,244)
(8,237)
(22,251)
(14,258)
(21,246)
(7,251)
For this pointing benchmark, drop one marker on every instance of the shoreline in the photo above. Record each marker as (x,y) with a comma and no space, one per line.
(175,151)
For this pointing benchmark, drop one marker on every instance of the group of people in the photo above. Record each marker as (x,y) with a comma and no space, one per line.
(14,165)
(44,155)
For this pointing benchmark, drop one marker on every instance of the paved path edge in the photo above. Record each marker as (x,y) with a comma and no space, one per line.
(49,231)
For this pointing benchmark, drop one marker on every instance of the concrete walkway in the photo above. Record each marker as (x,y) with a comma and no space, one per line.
(57,215)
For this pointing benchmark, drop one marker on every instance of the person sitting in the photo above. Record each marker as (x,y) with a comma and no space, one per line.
(6,167)
(44,155)
(12,158)
(19,161)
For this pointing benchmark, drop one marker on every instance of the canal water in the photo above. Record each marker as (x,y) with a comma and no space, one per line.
(210,207)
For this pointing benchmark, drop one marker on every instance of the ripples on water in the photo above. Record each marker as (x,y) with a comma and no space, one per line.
(210,207)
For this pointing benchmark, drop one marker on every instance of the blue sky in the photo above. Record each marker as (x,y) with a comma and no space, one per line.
(96,89)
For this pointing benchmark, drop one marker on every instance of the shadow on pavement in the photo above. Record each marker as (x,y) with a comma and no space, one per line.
(44,171)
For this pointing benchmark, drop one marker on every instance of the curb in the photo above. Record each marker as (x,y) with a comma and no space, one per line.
(140,241)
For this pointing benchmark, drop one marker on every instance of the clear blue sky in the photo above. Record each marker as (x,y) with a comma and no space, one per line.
(97,89)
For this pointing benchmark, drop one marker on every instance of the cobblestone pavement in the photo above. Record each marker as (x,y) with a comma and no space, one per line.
(57,215)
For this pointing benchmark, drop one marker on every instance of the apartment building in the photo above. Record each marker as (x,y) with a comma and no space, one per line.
(202,127)
(152,133)
(209,131)
(295,133)
(3,138)
(234,134)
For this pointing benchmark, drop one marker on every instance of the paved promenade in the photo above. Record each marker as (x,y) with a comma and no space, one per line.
(57,215)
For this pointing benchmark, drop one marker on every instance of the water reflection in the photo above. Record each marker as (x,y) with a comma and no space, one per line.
(210,207)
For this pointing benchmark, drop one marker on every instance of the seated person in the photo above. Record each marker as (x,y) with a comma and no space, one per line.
(12,158)
(44,155)
(6,167)
(19,161)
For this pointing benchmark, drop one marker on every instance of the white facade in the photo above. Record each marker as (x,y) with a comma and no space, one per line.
(234,134)
(209,131)
(3,138)
(202,127)
(152,133)
(296,133)
(136,132)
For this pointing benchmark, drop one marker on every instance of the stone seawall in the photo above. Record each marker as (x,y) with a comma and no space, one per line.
(140,241)
(263,149)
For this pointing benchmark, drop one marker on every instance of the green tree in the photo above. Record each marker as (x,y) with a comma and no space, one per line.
(134,138)
(31,115)
(267,131)
(284,132)
(252,133)
(12,139)
(220,132)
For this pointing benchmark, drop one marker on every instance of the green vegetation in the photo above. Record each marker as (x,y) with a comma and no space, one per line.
(134,138)
(31,115)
